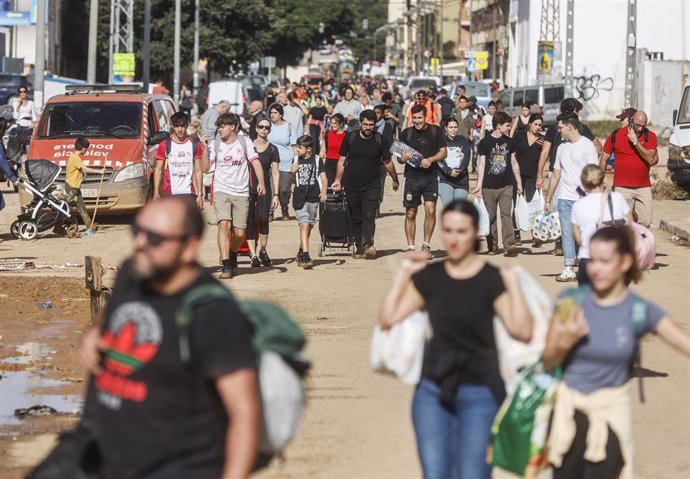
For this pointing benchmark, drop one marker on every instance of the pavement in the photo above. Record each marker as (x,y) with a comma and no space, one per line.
(673,216)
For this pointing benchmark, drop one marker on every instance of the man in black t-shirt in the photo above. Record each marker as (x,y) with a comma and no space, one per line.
(422,181)
(497,168)
(362,153)
(160,413)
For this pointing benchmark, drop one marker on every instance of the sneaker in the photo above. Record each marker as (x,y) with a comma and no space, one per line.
(359,253)
(225,273)
(263,256)
(567,275)
(518,240)
(234,267)
(369,252)
(426,248)
(307,263)
(491,252)
(410,248)
(300,260)
(255,262)
(536,243)
(285,216)
(511,251)
(87,232)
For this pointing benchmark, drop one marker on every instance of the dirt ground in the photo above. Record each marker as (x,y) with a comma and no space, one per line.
(357,423)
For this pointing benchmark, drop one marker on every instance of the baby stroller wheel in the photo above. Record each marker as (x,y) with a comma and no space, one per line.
(27,230)
(14,229)
(72,231)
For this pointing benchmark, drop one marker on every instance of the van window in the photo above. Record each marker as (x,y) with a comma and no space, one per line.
(684,110)
(506,98)
(170,108)
(419,83)
(480,91)
(532,96)
(102,119)
(553,95)
(162,116)
(153,122)
(518,98)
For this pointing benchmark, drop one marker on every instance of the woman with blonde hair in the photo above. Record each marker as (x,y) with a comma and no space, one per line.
(599,208)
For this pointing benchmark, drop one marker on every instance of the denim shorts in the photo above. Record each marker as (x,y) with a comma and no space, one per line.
(307,214)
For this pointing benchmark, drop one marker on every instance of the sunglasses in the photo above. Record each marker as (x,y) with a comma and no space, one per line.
(263,127)
(23,91)
(155,239)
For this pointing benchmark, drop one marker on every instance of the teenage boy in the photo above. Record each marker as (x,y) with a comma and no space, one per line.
(74,176)
(422,182)
(362,155)
(496,170)
(178,171)
(232,154)
(309,178)
(571,158)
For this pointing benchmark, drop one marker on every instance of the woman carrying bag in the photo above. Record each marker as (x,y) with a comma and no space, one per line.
(596,343)
(460,388)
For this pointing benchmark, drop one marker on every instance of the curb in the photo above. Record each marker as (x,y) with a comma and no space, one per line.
(674,229)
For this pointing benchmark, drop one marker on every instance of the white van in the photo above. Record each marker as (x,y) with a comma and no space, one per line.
(679,143)
(228,89)
(547,98)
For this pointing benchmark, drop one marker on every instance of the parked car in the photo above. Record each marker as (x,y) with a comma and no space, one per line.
(124,128)
(230,89)
(547,98)
(480,90)
(255,85)
(679,142)
(9,84)
(417,83)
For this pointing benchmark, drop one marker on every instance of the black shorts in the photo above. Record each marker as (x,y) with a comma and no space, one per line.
(417,188)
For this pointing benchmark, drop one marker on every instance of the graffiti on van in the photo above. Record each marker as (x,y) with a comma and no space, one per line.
(590,87)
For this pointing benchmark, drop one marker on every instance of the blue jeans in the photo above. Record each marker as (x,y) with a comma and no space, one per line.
(565,207)
(453,444)
(450,193)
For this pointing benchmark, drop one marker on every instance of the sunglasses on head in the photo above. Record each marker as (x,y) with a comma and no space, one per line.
(156,239)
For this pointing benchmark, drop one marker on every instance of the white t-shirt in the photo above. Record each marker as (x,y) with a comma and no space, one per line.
(26,116)
(570,159)
(586,214)
(232,166)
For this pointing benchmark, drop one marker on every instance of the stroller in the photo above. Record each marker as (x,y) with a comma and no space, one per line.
(48,208)
(334,224)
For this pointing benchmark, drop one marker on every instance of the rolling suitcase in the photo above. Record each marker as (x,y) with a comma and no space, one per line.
(334,223)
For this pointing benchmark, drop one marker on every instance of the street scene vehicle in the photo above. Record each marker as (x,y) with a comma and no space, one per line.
(124,128)
(229,89)
(481,91)
(415,83)
(544,99)
(679,142)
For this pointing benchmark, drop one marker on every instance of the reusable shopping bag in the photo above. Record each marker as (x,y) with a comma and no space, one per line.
(483,217)
(400,349)
(522,213)
(536,206)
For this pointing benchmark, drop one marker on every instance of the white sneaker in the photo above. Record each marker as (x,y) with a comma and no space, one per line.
(567,275)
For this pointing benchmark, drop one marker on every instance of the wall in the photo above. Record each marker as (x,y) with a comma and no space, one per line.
(660,86)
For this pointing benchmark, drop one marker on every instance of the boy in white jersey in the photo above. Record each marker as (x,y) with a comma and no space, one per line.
(231,156)
(178,171)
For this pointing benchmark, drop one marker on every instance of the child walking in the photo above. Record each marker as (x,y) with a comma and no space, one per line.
(309,178)
(74,177)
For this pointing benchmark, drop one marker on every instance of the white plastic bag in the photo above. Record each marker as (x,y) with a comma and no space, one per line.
(483,217)
(522,213)
(283,400)
(400,349)
(535,207)
(514,354)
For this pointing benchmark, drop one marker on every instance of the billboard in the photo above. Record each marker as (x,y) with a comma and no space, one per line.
(13,18)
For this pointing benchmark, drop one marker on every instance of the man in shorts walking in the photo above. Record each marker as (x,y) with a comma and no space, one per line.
(421,181)
(232,154)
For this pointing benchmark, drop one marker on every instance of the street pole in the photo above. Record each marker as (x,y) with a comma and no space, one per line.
(93,39)
(40,64)
(111,43)
(176,68)
(196,47)
(570,19)
(146,54)
(631,56)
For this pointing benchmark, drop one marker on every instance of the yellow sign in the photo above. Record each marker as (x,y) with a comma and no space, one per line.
(482,60)
(124,64)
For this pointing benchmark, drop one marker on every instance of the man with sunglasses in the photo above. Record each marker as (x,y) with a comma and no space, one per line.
(362,153)
(634,148)
(158,411)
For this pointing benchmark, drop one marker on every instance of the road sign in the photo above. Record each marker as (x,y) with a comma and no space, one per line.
(482,59)
(124,64)
(268,62)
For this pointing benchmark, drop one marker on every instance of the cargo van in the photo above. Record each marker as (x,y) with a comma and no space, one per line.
(679,142)
(229,89)
(124,128)
(547,98)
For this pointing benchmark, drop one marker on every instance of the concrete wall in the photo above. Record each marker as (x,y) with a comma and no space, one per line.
(660,87)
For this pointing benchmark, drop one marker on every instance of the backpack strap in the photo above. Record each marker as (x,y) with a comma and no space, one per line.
(168,149)
(243,143)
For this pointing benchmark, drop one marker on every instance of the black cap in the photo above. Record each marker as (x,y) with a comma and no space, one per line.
(627,113)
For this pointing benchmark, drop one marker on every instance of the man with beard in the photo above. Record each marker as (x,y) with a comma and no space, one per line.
(359,167)
(158,412)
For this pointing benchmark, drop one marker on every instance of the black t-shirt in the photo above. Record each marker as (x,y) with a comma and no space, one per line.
(461,314)
(556,140)
(427,142)
(458,149)
(498,171)
(527,155)
(307,189)
(267,157)
(157,416)
(318,112)
(363,160)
